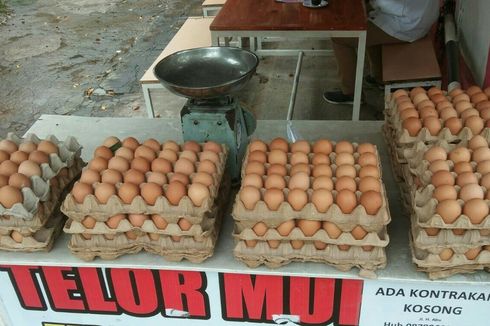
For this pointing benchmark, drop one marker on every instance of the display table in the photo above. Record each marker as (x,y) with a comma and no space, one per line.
(268,18)
(75,300)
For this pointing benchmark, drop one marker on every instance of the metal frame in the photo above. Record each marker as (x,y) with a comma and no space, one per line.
(260,34)
(415,83)
(147,97)
(210,10)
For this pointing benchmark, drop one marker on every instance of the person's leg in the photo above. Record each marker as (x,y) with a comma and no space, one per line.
(345,50)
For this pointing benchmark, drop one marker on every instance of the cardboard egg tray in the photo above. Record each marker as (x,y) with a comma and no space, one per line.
(332,255)
(446,238)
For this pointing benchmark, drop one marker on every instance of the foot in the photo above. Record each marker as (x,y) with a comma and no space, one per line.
(337,97)
(372,82)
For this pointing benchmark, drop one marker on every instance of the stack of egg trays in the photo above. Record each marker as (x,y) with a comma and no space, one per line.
(344,260)
(195,245)
(425,248)
(37,219)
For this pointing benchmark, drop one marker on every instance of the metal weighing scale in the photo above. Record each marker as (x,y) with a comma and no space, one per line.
(207,77)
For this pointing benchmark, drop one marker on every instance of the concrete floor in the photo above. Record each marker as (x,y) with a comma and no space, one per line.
(85,57)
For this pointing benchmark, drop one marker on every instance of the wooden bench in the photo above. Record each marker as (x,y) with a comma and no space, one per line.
(407,65)
(211,7)
(194,33)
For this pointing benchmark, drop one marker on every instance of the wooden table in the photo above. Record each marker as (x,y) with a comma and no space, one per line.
(268,18)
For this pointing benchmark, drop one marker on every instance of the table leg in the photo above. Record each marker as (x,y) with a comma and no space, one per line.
(361,50)
(147,97)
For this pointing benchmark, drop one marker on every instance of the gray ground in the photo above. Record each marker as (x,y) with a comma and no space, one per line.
(85,57)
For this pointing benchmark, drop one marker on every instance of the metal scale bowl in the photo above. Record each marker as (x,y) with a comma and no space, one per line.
(207,77)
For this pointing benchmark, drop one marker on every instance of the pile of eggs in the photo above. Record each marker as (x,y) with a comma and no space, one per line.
(149,170)
(18,163)
(434,110)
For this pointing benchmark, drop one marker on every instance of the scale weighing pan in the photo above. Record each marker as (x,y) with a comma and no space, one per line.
(204,73)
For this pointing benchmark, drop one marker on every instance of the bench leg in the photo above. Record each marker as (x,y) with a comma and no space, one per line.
(361,49)
(147,97)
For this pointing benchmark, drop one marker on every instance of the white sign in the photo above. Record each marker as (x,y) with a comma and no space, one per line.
(424,304)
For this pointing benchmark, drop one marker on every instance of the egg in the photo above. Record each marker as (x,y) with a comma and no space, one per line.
(321,170)
(249,196)
(89,222)
(460,98)
(130,143)
(131,235)
(309,227)
(480,107)
(419,98)
(322,199)
(409,113)
(403,106)
(273,244)
(27,146)
(322,146)
(111,176)
(273,169)
(277,157)
(18,157)
(203,178)
(39,157)
(369,171)
(432,232)
(153,236)
(4,156)
(134,176)
(257,156)
(137,220)
(9,196)
(477,141)
(481,154)
(449,210)
(301,146)
(466,178)
(113,221)
(345,170)
(371,201)
(159,221)
(458,232)
(446,254)
(170,145)
(207,166)
(4,180)
(111,141)
(345,182)
(253,180)
(445,192)
(433,125)
(297,198)
(343,247)
(412,125)
(161,165)
(297,244)
(90,176)
(471,191)
(300,167)
(8,168)
(344,146)
(456,91)
(438,165)
(469,113)
(346,200)
(320,158)
(104,191)
(212,146)
(344,158)
(285,228)
(98,164)
(118,163)
(260,228)
(332,229)
(273,198)
(475,124)
(366,148)
(145,152)
(272,181)
(368,184)
(192,146)
(184,166)
(398,93)
(322,182)
(435,153)
(29,168)
(19,181)
(279,144)
(251,243)
(462,106)
(485,182)
(454,125)
(367,159)
(462,167)
(127,192)
(442,178)
(169,155)
(80,191)
(473,90)
(156,177)
(476,209)
(153,144)
(182,178)
(255,168)
(300,180)
(190,155)
(472,253)
(483,167)
(299,158)
(16,236)
(174,193)
(141,164)
(443,105)
(198,193)
(478,98)
(358,232)
(257,145)
(150,192)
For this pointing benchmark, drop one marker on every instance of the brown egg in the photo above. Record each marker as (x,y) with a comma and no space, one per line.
(485,182)
(460,154)
(301,146)
(27,146)
(358,232)
(444,105)
(4,156)
(171,145)
(344,158)
(274,181)
(435,153)
(433,125)
(16,236)
(462,106)
(257,145)
(207,166)
(111,141)
(80,191)
(322,146)
(159,221)
(203,178)
(125,153)
(299,158)
(153,144)
(98,164)
(432,232)
(104,191)
(18,157)
(478,98)
(419,97)
(8,168)
(483,167)
(321,170)
(460,97)
(154,236)
(451,120)
(399,92)
(462,167)
(145,152)
(131,143)
(300,180)
(320,158)
(466,178)
(190,155)
(29,168)
(47,147)
(127,192)
(300,167)
(322,182)
(454,92)
(366,148)
(345,182)
(180,177)
(273,244)
(169,155)
(309,227)
(251,243)
(113,221)
(89,222)
(156,177)
(103,152)
(212,146)
(285,228)
(480,106)
(476,124)
(175,192)
(344,170)
(424,104)
(198,193)
(273,169)
(481,154)
(255,168)
(322,199)
(372,202)
(260,228)
(343,247)
(472,253)
(277,156)
(4,180)
(439,165)
(471,191)
(446,254)
(184,166)
(257,156)
(344,146)
(9,196)
(279,144)
(407,105)
(150,192)
(249,196)
(369,171)
(485,115)
(118,163)
(412,125)
(445,192)
(409,113)
(111,176)
(449,210)
(487,91)
(140,164)
(332,230)
(253,180)
(192,146)
(273,198)
(367,159)
(297,198)
(368,184)
(442,178)
(134,176)
(477,141)
(39,157)
(346,200)
(473,90)
(161,165)
(476,210)
(469,113)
